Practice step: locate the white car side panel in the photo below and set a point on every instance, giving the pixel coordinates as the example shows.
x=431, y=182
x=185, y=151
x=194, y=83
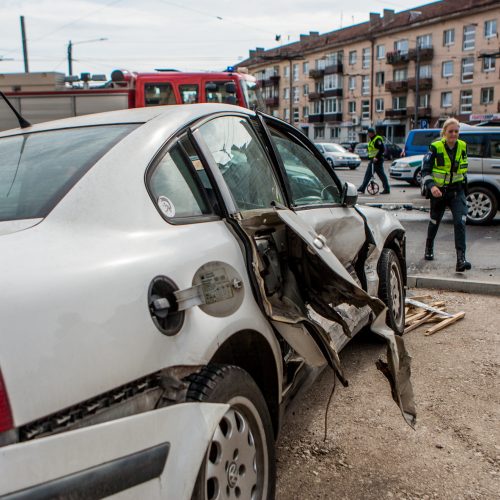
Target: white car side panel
x=187, y=427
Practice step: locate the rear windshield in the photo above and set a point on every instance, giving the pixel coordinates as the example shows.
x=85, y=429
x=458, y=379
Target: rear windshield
x=424, y=138
x=37, y=170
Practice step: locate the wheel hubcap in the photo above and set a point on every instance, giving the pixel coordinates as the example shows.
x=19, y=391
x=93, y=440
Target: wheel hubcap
x=231, y=466
x=479, y=206
x=396, y=293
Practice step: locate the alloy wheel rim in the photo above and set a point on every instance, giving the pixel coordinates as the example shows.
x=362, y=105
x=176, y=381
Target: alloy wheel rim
x=396, y=293
x=479, y=206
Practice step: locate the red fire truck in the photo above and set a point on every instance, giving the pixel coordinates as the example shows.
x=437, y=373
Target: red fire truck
x=127, y=90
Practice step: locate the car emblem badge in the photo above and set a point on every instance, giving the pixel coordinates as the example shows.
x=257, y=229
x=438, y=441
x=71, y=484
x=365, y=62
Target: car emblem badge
x=232, y=475
x=166, y=206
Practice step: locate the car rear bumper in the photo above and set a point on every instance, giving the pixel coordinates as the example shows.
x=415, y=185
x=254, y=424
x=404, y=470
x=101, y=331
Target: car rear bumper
x=157, y=453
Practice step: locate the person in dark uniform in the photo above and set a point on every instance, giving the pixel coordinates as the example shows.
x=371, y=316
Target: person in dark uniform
x=444, y=173
x=376, y=151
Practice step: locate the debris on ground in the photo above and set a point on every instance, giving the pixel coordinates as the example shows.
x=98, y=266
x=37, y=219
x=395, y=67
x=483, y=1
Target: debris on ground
x=419, y=313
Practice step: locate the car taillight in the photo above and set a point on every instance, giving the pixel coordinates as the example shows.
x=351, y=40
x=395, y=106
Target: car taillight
x=6, y=422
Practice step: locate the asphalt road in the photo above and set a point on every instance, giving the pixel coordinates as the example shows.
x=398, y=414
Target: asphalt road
x=482, y=241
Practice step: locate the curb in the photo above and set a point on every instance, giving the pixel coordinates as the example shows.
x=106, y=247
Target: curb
x=454, y=284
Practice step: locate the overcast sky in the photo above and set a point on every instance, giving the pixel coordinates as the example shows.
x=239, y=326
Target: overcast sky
x=148, y=34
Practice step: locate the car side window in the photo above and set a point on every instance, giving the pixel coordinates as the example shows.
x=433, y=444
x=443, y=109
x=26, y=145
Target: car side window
x=475, y=144
x=159, y=94
x=310, y=182
x=494, y=140
x=189, y=93
x=242, y=161
x=177, y=189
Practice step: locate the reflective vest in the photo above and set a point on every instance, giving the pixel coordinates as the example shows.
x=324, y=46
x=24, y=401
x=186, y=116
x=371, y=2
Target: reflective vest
x=441, y=171
x=372, y=150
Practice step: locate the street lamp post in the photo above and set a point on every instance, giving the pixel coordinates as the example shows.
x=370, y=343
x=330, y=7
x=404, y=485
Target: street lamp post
x=417, y=82
x=70, y=51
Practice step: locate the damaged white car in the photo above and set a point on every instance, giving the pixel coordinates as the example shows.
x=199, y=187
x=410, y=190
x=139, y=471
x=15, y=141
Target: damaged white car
x=170, y=278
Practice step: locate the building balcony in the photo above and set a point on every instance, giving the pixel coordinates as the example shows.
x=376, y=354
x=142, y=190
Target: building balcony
x=333, y=117
x=397, y=57
x=334, y=68
x=272, y=101
x=317, y=118
x=396, y=113
x=425, y=54
x=422, y=112
x=423, y=83
x=271, y=81
x=396, y=86
x=315, y=96
x=334, y=93
x=316, y=73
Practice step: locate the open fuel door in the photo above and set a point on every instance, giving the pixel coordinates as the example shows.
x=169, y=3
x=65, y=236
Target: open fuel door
x=297, y=272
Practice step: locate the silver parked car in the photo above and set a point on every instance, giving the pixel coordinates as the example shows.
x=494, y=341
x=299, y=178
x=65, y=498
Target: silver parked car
x=408, y=168
x=337, y=156
x=170, y=278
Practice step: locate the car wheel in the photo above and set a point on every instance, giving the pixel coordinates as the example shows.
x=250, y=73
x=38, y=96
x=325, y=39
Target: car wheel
x=353, y=167
x=417, y=177
x=391, y=290
x=482, y=205
x=330, y=162
x=240, y=459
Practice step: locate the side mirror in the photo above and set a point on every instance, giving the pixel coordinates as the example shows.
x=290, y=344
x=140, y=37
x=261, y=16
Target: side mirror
x=349, y=195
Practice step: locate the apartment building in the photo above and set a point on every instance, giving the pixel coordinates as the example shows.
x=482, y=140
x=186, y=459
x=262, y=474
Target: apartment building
x=397, y=71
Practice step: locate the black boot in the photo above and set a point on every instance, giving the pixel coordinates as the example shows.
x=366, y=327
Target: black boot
x=462, y=264
x=429, y=249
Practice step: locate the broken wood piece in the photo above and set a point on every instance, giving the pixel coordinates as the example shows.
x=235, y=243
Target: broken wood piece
x=445, y=323
x=428, y=316
x=428, y=308
x=417, y=316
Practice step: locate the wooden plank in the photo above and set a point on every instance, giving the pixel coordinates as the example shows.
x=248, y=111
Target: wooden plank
x=445, y=323
x=416, y=324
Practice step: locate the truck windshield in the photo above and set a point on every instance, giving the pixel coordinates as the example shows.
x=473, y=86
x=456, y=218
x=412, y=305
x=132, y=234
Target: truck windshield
x=38, y=169
x=252, y=95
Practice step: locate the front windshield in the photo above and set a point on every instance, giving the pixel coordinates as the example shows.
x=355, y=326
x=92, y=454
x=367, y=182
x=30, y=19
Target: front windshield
x=334, y=148
x=253, y=97
x=38, y=169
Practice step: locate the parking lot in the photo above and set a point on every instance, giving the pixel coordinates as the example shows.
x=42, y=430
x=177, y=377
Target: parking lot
x=370, y=453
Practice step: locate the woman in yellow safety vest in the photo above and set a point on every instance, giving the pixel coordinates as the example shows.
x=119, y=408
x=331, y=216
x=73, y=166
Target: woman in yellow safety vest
x=444, y=173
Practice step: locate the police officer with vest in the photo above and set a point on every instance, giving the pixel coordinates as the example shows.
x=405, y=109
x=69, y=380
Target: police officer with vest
x=376, y=151
x=444, y=173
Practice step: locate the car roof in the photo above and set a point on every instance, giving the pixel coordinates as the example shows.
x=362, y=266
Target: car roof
x=135, y=115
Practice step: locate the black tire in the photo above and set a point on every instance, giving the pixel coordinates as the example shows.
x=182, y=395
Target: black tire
x=417, y=177
x=330, y=162
x=351, y=167
x=233, y=385
x=482, y=206
x=391, y=289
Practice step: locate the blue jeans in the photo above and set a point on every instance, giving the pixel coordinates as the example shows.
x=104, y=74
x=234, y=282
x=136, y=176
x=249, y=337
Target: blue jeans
x=455, y=200
x=378, y=168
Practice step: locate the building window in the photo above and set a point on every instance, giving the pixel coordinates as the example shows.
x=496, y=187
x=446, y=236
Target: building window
x=466, y=101
x=333, y=59
x=469, y=41
x=489, y=63
x=399, y=102
x=352, y=83
x=448, y=37
x=305, y=89
x=317, y=107
x=320, y=64
x=305, y=111
x=379, y=78
x=446, y=99
x=319, y=132
x=425, y=71
x=486, y=95
x=401, y=46
x=276, y=113
x=295, y=70
x=447, y=69
x=424, y=100
x=379, y=105
x=305, y=68
x=286, y=72
x=365, y=61
x=286, y=93
x=295, y=93
x=287, y=114
x=365, y=109
x=296, y=116
x=365, y=85
x=333, y=82
x=424, y=41
x=490, y=28
x=380, y=51
x=401, y=75
x=318, y=86
x=335, y=133
x=353, y=57
x=333, y=105
x=352, y=107
x=467, y=69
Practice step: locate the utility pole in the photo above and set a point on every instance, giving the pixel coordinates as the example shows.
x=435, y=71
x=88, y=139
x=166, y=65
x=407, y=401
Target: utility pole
x=417, y=81
x=70, y=58
x=25, y=46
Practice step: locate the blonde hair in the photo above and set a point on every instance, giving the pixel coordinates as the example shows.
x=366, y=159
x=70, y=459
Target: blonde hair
x=447, y=123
